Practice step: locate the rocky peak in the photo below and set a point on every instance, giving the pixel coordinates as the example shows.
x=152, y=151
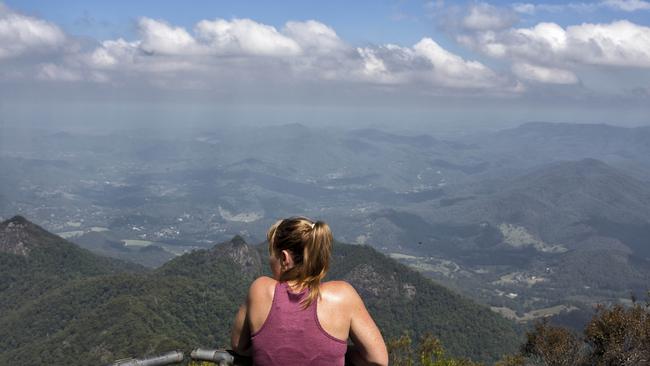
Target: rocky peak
x=17, y=220
x=18, y=236
x=241, y=253
x=238, y=241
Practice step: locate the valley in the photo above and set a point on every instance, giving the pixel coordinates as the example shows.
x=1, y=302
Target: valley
x=522, y=219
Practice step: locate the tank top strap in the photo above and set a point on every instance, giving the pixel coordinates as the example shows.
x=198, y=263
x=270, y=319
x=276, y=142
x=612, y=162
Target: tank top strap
x=277, y=294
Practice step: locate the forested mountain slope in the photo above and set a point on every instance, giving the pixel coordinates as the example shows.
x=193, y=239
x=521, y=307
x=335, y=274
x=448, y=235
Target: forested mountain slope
x=91, y=310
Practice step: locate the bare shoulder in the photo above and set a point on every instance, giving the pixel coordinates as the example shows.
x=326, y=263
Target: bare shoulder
x=339, y=291
x=262, y=287
x=337, y=286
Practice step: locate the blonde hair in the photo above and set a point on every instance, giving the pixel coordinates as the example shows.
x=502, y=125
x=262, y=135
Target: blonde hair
x=310, y=244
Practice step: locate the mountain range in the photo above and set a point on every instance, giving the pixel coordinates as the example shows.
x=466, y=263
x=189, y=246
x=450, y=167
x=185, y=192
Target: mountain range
x=535, y=243
x=522, y=219
x=64, y=305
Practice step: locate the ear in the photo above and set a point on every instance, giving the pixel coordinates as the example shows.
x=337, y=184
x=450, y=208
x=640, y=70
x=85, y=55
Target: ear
x=286, y=259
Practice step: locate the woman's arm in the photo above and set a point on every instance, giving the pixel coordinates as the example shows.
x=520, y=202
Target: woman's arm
x=369, y=347
x=240, y=337
x=252, y=313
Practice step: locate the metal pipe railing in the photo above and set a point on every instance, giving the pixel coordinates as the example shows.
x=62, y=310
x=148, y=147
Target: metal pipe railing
x=218, y=356
x=168, y=358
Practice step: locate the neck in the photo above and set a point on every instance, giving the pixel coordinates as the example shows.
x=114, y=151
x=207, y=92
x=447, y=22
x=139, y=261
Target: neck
x=295, y=285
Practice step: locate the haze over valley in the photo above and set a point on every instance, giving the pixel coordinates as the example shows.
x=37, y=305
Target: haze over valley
x=521, y=219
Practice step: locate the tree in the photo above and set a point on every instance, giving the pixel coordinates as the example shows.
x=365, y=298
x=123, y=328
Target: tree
x=400, y=351
x=615, y=336
x=429, y=352
x=553, y=346
x=620, y=336
x=512, y=360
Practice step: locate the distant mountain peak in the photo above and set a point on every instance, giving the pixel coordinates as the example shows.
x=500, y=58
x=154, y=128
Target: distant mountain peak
x=244, y=255
x=19, y=235
x=237, y=240
x=49, y=254
x=17, y=220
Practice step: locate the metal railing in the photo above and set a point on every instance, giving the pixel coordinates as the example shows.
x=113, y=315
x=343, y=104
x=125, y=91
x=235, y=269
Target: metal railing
x=218, y=356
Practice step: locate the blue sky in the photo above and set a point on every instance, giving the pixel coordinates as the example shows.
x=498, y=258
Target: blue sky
x=581, y=55
x=358, y=21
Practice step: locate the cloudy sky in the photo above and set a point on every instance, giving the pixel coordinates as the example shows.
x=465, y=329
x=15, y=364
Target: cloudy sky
x=420, y=61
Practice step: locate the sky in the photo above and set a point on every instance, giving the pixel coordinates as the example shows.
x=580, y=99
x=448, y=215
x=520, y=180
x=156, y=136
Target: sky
x=422, y=63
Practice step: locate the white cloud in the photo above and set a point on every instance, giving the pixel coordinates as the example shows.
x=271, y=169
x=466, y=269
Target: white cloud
x=302, y=51
x=451, y=70
x=374, y=68
x=542, y=42
x=544, y=74
x=483, y=16
x=245, y=37
x=627, y=5
x=372, y=65
x=534, y=42
x=430, y=66
x=221, y=53
x=20, y=34
x=112, y=54
x=166, y=48
x=313, y=36
x=158, y=37
x=620, y=43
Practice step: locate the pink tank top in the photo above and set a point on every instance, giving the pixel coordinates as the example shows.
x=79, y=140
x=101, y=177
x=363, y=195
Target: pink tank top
x=293, y=336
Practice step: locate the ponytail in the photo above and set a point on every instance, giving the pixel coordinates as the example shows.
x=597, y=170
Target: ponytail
x=316, y=260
